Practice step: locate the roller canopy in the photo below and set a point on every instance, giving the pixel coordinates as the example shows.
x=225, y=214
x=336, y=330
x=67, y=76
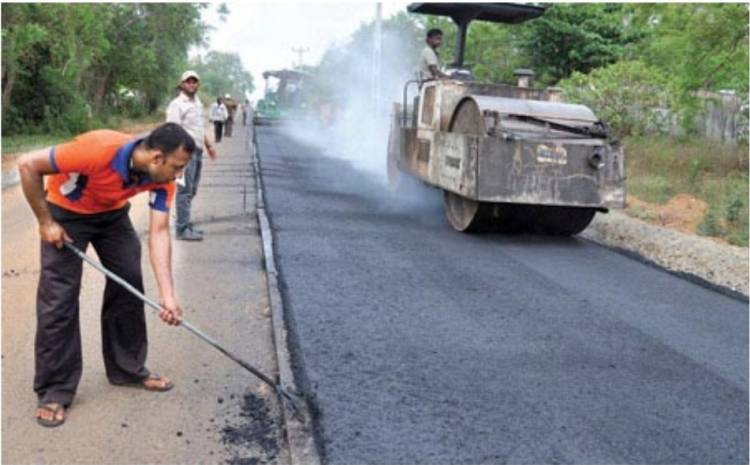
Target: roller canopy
x=464, y=13
x=512, y=13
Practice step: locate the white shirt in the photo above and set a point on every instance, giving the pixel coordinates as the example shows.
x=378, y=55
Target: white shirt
x=218, y=112
x=188, y=113
x=427, y=58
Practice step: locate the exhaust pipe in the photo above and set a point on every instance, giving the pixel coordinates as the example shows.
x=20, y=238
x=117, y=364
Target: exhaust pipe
x=525, y=77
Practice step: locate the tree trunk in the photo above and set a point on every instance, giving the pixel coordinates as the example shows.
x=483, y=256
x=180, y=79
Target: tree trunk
x=100, y=91
x=8, y=90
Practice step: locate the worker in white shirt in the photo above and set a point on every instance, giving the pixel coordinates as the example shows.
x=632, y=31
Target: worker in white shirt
x=187, y=111
x=429, y=60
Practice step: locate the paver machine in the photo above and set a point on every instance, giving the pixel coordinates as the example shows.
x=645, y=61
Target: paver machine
x=286, y=101
x=507, y=157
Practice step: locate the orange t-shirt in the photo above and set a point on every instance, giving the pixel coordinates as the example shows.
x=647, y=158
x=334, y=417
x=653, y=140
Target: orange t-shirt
x=93, y=174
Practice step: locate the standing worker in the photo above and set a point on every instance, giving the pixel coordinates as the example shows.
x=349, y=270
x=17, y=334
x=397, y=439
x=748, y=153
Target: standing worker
x=218, y=114
x=90, y=180
x=231, y=111
x=245, y=111
x=187, y=111
x=429, y=60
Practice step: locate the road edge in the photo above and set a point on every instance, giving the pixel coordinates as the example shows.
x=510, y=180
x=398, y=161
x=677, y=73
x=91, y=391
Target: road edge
x=300, y=439
x=657, y=247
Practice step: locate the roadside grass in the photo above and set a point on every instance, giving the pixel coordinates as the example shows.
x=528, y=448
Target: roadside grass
x=659, y=168
x=13, y=145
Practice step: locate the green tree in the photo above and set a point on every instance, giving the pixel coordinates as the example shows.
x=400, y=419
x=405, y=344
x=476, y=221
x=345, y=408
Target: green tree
x=65, y=66
x=627, y=95
x=578, y=37
x=222, y=73
x=700, y=46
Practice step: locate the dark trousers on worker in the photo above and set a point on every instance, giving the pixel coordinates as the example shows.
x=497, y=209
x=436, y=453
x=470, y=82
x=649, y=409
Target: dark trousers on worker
x=228, y=125
x=218, y=130
x=58, y=355
x=186, y=192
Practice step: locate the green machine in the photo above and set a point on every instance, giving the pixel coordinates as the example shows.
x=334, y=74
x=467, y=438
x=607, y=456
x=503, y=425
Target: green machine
x=285, y=101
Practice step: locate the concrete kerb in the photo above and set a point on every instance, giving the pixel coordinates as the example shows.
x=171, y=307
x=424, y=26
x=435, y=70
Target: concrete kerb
x=302, y=447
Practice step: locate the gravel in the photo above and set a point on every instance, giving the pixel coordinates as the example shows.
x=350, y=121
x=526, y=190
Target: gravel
x=722, y=265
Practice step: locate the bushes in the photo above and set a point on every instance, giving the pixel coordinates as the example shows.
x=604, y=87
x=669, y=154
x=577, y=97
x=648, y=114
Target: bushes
x=627, y=95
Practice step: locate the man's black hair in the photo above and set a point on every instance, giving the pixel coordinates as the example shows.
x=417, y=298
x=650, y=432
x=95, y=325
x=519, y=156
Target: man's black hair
x=169, y=137
x=434, y=32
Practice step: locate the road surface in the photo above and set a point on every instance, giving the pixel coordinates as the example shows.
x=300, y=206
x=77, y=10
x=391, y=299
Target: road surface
x=419, y=344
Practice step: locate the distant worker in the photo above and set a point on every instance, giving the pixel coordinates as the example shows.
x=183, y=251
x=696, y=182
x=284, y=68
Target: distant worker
x=187, y=111
x=231, y=111
x=89, y=182
x=245, y=110
x=429, y=60
x=218, y=115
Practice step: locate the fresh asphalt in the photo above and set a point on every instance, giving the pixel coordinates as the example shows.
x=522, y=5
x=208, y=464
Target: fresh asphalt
x=418, y=344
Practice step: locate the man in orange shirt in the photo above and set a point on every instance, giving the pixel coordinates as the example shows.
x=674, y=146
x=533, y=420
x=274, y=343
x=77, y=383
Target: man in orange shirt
x=90, y=180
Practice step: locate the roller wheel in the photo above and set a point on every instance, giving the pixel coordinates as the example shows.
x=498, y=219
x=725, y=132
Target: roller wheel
x=466, y=215
x=561, y=221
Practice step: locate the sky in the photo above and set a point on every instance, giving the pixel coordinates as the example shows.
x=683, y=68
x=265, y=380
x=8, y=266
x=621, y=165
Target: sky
x=264, y=33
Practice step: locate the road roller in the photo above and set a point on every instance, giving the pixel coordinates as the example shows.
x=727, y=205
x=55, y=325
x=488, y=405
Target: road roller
x=508, y=157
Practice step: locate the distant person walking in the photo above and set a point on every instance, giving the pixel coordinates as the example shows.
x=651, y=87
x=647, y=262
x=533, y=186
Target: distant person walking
x=218, y=115
x=245, y=110
x=187, y=111
x=231, y=112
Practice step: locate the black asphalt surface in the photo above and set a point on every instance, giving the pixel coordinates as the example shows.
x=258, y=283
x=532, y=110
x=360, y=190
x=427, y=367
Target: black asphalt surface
x=422, y=345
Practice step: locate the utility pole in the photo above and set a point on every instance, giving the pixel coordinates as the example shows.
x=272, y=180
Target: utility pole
x=377, y=58
x=300, y=51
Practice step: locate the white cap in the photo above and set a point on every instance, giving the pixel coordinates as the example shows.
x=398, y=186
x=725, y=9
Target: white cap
x=227, y=96
x=189, y=74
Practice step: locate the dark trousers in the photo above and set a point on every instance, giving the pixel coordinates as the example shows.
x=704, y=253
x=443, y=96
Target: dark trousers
x=123, y=320
x=228, y=124
x=186, y=193
x=218, y=130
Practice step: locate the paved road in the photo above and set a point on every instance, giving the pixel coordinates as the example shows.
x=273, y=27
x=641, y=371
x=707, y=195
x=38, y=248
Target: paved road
x=423, y=345
x=215, y=413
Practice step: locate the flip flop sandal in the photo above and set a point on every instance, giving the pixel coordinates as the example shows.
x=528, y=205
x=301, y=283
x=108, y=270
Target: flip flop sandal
x=140, y=384
x=55, y=409
x=162, y=387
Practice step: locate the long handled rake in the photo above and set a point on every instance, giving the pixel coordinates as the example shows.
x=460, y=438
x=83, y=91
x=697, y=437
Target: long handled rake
x=293, y=402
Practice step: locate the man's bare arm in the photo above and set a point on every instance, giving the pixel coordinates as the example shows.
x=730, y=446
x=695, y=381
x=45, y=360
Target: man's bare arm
x=437, y=74
x=160, y=254
x=32, y=167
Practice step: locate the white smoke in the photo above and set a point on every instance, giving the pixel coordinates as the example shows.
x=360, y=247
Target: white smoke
x=359, y=132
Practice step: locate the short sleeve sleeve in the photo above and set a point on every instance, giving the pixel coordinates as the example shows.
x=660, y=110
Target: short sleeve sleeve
x=80, y=155
x=429, y=57
x=161, y=197
x=173, y=112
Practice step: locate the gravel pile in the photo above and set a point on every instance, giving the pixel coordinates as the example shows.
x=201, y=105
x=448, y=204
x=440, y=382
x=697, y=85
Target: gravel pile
x=723, y=265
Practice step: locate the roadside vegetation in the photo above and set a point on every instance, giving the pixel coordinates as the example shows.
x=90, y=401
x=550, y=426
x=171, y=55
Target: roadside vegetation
x=715, y=176
x=69, y=68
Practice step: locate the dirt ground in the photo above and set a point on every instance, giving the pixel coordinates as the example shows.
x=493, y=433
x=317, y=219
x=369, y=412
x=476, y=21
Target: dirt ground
x=683, y=212
x=217, y=412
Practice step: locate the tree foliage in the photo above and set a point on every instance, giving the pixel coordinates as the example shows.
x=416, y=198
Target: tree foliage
x=65, y=65
x=700, y=46
x=222, y=73
x=577, y=37
x=628, y=95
